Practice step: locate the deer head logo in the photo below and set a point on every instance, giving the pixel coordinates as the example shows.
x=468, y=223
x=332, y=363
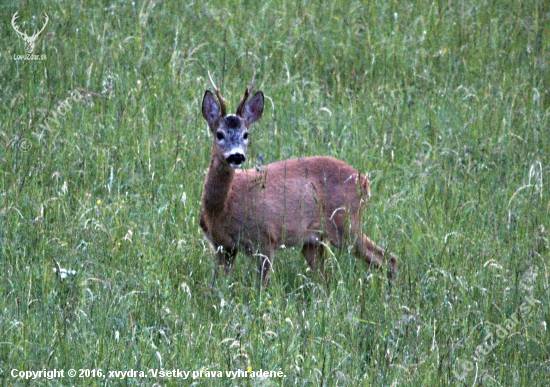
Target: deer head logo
x=29, y=40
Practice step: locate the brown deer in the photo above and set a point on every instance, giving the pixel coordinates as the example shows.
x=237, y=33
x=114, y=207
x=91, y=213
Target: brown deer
x=296, y=202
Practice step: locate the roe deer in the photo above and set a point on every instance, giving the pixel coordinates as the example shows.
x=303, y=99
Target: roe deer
x=296, y=202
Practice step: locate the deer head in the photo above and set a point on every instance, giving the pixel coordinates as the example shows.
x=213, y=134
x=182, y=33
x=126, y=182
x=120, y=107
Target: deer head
x=230, y=131
x=29, y=40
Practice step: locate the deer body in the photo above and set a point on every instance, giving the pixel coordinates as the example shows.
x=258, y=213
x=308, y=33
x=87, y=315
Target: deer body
x=296, y=202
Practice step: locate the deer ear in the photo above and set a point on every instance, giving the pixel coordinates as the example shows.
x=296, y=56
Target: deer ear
x=254, y=108
x=210, y=108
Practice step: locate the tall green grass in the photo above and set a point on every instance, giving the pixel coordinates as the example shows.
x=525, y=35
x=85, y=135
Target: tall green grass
x=446, y=104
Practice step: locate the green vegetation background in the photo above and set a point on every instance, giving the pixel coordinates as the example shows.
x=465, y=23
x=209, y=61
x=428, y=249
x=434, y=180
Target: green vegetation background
x=446, y=104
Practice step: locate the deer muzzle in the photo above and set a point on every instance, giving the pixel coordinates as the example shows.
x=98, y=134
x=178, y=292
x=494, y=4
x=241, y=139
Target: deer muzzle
x=236, y=159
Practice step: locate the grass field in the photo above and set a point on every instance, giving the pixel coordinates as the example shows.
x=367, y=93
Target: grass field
x=103, y=152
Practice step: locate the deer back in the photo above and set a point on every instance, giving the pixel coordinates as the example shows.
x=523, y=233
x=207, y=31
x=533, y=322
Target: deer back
x=289, y=201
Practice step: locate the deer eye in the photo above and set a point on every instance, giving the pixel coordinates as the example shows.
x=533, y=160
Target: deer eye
x=219, y=135
x=245, y=135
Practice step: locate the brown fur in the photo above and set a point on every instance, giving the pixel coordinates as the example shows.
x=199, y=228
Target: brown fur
x=296, y=202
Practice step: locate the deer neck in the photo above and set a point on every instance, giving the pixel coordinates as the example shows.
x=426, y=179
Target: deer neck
x=217, y=185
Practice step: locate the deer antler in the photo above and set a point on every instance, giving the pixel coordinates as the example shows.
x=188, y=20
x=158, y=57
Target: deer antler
x=218, y=94
x=46, y=19
x=13, y=19
x=240, y=107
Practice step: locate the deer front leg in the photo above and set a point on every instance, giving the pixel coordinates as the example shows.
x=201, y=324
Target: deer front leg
x=313, y=253
x=225, y=258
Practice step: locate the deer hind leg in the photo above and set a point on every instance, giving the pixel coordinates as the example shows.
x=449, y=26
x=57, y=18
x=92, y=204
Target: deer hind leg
x=363, y=248
x=374, y=255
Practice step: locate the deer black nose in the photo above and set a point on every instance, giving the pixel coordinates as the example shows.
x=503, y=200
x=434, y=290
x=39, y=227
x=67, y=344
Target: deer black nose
x=236, y=159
